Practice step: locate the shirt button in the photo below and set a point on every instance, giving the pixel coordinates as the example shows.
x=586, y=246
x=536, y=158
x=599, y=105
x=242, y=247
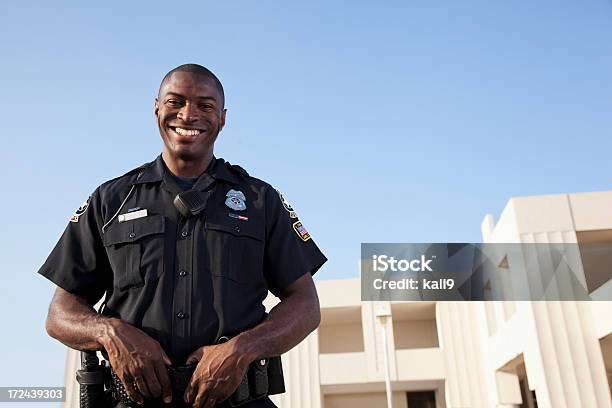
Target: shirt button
x=132, y=235
x=237, y=228
x=182, y=273
x=181, y=315
x=184, y=234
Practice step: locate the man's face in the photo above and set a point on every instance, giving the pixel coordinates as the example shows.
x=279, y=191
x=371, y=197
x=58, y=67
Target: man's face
x=190, y=115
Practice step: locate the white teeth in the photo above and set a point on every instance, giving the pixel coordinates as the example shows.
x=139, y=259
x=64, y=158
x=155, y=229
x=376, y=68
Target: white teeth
x=187, y=132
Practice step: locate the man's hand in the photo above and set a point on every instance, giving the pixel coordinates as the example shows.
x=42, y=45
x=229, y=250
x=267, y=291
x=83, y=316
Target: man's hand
x=139, y=361
x=220, y=370
x=135, y=357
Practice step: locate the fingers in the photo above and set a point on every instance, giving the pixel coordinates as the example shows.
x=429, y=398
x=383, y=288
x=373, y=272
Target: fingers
x=195, y=356
x=203, y=400
x=199, y=396
x=164, y=381
x=151, y=383
x=142, y=363
x=142, y=387
x=165, y=357
x=190, y=391
x=196, y=392
x=157, y=378
x=130, y=387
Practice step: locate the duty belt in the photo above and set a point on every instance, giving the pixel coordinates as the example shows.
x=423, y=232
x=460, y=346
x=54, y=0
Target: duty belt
x=263, y=377
x=259, y=381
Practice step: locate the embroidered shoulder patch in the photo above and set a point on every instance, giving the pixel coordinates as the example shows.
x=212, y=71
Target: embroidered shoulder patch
x=301, y=231
x=80, y=211
x=286, y=205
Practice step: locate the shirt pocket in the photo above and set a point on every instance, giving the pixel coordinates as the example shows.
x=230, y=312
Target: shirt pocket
x=135, y=250
x=235, y=248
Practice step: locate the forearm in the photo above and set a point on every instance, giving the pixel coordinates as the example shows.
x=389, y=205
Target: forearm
x=72, y=321
x=288, y=323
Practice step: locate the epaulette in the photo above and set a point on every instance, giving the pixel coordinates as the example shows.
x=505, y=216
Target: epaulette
x=137, y=171
x=239, y=170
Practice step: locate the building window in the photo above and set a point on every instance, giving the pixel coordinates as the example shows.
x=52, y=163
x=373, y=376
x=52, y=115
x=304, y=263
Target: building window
x=529, y=397
x=421, y=399
x=596, y=253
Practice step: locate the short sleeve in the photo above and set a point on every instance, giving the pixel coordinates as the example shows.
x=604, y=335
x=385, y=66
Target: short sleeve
x=78, y=263
x=290, y=251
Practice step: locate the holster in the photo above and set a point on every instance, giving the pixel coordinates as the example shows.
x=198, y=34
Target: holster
x=93, y=379
x=264, y=377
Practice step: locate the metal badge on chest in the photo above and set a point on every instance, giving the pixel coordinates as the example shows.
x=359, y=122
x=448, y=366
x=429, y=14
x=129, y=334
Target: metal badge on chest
x=235, y=200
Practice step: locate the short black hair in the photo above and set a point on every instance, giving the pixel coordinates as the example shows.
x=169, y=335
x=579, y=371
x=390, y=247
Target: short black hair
x=195, y=69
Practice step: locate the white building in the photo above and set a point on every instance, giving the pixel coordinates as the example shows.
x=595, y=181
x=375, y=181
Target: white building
x=463, y=354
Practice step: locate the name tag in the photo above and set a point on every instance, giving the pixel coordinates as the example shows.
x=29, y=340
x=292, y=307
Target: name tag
x=132, y=215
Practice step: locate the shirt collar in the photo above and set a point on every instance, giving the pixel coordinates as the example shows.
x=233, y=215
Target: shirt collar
x=154, y=171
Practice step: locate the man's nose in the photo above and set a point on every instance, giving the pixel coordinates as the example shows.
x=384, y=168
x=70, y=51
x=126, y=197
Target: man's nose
x=187, y=113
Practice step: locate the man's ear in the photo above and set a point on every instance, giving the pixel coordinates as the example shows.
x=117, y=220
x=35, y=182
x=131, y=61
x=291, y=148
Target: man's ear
x=156, y=107
x=222, y=119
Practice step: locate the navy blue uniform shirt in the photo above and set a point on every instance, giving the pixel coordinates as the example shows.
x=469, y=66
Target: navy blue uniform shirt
x=184, y=281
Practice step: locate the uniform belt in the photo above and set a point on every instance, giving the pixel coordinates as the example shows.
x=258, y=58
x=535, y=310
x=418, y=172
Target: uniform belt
x=179, y=378
x=264, y=377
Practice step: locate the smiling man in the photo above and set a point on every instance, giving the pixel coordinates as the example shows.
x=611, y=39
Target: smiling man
x=184, y=250
x=189, y=130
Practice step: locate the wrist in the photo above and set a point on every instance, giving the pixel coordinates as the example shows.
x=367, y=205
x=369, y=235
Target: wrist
x=247, y=347
x=106, y=330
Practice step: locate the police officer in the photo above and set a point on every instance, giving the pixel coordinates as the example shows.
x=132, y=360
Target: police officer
x=178, y=280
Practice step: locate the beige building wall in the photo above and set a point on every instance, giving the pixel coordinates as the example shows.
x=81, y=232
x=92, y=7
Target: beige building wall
x=561, y=357
x=481, y=354
x=468, y=354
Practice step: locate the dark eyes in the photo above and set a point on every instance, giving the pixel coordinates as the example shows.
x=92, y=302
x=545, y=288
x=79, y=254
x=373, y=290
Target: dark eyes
x=176, y=103
x=173, y=102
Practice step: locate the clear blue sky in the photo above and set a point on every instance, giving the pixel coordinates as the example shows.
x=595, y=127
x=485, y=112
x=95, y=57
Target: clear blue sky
x=393, y=121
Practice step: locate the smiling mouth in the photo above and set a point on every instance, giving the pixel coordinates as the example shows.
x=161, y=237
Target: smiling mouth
x=186, y=132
